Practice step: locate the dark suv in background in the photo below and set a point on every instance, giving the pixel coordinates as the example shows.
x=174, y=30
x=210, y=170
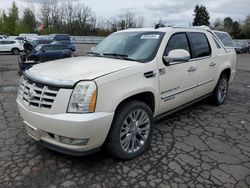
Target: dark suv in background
x=60, y=37
x=36, y=42
x=67, y=44
x=43, y=53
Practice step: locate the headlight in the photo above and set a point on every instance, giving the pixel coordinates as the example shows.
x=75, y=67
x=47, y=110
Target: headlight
x=83, y=98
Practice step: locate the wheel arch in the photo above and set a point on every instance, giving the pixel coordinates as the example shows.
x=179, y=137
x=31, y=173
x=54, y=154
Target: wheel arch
x=15, y=48
x=226, y=71
x=147, y=97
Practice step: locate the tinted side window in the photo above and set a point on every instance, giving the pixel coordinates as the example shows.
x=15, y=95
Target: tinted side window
x=58, y=47
x=46, y=48
x=54, y=47
x=177, y=41
x=8, y=42
x=201, y=47
x=225, y=39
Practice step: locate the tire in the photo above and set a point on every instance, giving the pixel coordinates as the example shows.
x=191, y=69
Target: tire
x=15, y=51
x=20, y=73
x=134, y=133
x=220, y=92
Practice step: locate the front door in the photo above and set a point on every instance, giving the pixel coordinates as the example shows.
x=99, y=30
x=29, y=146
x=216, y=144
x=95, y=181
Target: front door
x=177, y=81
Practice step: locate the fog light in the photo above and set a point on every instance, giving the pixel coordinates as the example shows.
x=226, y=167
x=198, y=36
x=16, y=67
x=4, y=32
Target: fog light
x=72, y=141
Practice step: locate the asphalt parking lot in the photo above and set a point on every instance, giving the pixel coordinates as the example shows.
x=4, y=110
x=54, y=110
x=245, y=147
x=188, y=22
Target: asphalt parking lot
x=201, y=146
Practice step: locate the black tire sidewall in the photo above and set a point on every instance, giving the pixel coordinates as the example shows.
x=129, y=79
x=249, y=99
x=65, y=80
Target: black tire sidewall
x=114, y=135
x=215, y=95
x=15, y=50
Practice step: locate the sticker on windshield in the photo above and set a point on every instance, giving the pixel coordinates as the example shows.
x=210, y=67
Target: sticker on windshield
x=150, y=36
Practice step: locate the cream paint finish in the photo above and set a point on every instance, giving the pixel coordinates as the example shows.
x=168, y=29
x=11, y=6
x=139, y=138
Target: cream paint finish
x=177, y=79
x=118, y=80
x=94, y=126
x=80, y=68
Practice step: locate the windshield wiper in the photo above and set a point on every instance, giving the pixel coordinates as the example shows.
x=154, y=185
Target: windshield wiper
x=94, y=54
x=120, y=56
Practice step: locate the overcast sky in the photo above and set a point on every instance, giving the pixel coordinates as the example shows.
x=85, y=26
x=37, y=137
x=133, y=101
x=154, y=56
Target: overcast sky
x=178, y=12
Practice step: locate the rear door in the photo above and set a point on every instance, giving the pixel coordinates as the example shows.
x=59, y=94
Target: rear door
x=177, y=81
x=58, y=51
x=205, y=62
x=6, y=45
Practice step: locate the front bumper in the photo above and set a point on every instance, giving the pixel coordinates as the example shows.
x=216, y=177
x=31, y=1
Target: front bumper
x=47, y=129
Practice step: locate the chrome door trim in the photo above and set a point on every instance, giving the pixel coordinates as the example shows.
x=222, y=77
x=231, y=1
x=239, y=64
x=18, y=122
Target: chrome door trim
x=202, y=83
x=172, y=96
x=184, y=90
x=199, y=58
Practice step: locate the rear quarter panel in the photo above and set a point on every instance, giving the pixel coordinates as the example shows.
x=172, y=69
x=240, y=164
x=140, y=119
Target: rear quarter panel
x=229, y=60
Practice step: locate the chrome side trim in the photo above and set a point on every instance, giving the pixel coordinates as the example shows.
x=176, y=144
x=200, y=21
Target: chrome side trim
x=169, y=98
x=172, y=96
x=49, y=81
x=181, y=107
x=184, y=90
x=202, y=83
x=199, y=58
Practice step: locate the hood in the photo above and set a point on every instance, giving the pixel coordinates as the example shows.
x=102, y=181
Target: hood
x=74, y=69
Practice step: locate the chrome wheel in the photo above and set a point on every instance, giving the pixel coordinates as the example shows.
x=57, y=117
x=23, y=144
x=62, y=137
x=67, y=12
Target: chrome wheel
x=222, y=90
x=134, y=131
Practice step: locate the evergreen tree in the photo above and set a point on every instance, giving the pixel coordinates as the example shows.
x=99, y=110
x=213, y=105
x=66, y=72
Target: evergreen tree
x=228, y=24
x=236, y=31
x=201, y=16
x=246, y=27
x=29, y=21
x=11, y=20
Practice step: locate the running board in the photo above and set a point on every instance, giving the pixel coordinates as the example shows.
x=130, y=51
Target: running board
x=181, y=107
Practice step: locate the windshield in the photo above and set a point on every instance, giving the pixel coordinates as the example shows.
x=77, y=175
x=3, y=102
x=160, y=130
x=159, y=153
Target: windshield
x=138, y=46
x=38, y=48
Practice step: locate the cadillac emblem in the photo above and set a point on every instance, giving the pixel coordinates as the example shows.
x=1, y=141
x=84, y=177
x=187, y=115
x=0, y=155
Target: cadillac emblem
x=31, y=94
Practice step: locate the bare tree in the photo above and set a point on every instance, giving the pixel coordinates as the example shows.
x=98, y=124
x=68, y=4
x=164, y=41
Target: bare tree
x=128, y=17
x=124, y=20
x=45, y=13
x=140, y=21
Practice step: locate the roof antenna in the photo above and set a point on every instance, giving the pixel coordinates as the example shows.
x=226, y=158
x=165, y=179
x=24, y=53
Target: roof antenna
x=157, y=26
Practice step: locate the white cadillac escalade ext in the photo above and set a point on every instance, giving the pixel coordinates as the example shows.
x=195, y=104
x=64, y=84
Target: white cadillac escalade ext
x=113, y=95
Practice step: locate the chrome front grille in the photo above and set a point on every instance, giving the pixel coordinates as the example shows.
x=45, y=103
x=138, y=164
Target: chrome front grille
x=36, y=94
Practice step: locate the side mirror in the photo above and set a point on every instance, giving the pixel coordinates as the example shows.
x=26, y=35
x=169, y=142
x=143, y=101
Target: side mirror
x=92, y=48
x=176, y=56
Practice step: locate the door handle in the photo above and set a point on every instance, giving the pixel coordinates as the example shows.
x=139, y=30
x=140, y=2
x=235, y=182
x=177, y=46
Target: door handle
x=212, y=64
x=192, y=69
